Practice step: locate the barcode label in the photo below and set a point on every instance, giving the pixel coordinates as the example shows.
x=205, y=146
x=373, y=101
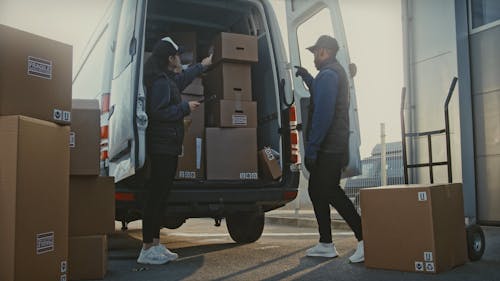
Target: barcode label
x=39, y=67
x=44, y=242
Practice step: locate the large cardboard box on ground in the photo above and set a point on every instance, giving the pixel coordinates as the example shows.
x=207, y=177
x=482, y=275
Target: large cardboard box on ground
x=232, y=114
x=35, y=76
x=85, y=137
x=268, y=164
x=235, y=47
x=231, y=154
x=88, y=257
x=34, y=181
x=91, y=205
x=191, y=162
x=417, y=228
x=229, y=81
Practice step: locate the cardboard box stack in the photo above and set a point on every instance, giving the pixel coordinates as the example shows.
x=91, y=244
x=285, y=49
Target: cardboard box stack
x=231, y=118
x=35, y=94
x=91, y=198
x=423, y=230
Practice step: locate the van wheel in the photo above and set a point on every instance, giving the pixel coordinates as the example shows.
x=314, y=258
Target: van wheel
x=173, y=222
x=245, y=227
x=475, y=242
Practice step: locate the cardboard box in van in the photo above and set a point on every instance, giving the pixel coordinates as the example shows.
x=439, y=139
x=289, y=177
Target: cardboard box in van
x=91, y=205
x=34, y=181
x=235, y=47
x=35, y=76
x=268, y=164
x=229, y=81
x=231, y=154
x=88, y=257
x=85, y=137
x=423, y=230
x=232, y=114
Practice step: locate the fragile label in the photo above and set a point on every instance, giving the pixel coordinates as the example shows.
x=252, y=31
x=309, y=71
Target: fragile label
x=248, y=176
x=419, y=266
x=39, y=67
x=63, y=277
x=58, y=115
x=239, y=120
x=422, y=196
x=269, y=153
x=66, y=116
x=64, y=266
x=44, y=242
x=187, y=175
x=72, y=141
x=428, y=256
x=429, y=266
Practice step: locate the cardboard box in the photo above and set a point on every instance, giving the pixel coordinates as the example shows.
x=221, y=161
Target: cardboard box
x=91, y=205
x=268, y=164
x=232, y=114
x=229, y=81
x=88, y=257
x=231, y=153
x=35, y=76
x=416, y=228
x=235, y=47
x=187, y=40
x=85, y=138
x=195, y=88
x=34, y=179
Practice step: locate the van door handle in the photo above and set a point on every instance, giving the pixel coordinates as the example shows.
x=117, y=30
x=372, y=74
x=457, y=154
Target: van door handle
x=133, y=46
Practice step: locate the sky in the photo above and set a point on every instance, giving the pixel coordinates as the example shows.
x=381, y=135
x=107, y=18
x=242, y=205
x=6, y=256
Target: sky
x=373, y=30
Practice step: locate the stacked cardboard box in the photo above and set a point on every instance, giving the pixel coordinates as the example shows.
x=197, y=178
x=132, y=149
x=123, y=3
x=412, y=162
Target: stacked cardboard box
x=35, y=94
x=91, y=198
x=231, y=117
x=423, y=230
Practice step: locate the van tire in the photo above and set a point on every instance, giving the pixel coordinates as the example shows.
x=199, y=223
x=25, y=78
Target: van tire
x=476, y=243
x=245, y=227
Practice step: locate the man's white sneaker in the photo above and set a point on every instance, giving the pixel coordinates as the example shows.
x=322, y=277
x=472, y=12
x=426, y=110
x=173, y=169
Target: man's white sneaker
x=326, y=250
x=359, y=255
x=161, y=249
x=151, y=256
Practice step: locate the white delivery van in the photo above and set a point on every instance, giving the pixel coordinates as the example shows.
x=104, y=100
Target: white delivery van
x=129, y=31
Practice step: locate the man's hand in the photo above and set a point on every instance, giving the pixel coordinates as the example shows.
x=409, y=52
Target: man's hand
x=310, y=164
x=193, y=105
x=302, y=72
x=206, y=62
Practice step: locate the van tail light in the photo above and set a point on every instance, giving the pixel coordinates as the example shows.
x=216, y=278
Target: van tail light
x=124, y=196
x=104, y=131
x=294, y=137
x=289, y=195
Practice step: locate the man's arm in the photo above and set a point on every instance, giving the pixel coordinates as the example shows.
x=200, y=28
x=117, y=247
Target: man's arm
x=160, y=109
x=325, y=96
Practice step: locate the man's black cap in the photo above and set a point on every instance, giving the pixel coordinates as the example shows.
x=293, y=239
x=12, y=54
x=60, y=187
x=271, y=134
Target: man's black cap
x=167, y=47
x=326, y=42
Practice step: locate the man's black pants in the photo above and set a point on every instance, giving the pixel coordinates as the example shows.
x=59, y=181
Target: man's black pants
x=324, y=190
x=159, y=184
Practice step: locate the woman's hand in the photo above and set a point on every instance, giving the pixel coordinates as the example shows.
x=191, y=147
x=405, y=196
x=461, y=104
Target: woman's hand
x=206, y=62
x=193, y=105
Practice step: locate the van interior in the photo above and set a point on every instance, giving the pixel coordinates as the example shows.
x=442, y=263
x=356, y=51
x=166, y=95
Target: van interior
x=209, y=18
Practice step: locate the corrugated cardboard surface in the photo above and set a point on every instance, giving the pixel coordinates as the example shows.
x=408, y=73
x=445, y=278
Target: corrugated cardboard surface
x=268, y=164
x=415, y=228
x=85, y=137
x=35, y=76
x=229, y=81
x=232, y=114
x=92, y=205
x=235, y=47
x=231, y=154
x=88, y=257
x=33, y=198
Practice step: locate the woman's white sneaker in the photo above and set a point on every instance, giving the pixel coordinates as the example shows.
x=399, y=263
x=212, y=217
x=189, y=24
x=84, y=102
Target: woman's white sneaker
x=326, y=250
x=359, y=255
x=151, y=256
x=161, y=249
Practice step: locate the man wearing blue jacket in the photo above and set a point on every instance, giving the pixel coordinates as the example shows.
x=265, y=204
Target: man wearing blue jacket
x=327, y=146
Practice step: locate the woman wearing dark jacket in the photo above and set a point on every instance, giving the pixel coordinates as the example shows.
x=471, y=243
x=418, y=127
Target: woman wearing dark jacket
x=164, y=80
